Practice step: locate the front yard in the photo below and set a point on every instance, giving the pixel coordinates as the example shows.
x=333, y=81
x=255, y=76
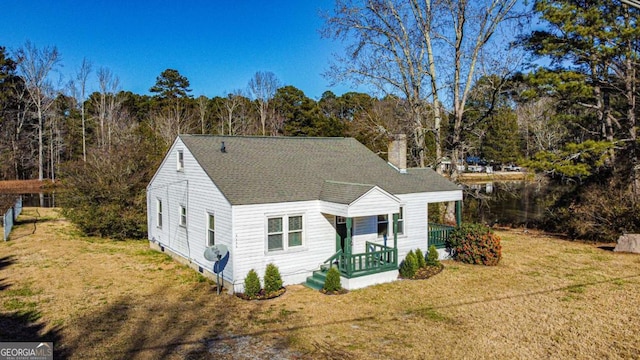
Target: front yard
x=97, y=298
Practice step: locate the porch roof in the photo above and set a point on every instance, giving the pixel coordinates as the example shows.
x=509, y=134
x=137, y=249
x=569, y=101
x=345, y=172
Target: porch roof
x=352, y=200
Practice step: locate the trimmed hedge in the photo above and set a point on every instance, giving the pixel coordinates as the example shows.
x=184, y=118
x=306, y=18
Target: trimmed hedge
x=252, y=285
x=432, y=256
x=409, y=266
x=332, y=283
x=272, y=279
x=420, y=257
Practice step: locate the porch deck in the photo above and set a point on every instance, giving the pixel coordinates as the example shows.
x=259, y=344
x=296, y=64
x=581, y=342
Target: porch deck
x=377, y=258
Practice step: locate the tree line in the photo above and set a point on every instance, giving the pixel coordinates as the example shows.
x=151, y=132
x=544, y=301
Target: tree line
x=459, y=78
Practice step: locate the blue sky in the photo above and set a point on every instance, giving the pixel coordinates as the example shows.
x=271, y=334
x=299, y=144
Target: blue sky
x=217, y=45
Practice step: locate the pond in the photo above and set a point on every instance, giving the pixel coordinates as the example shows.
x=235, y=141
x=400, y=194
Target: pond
x=509, y=203
x=46, y=200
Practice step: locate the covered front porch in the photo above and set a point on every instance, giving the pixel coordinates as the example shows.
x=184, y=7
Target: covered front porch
x=373, y=229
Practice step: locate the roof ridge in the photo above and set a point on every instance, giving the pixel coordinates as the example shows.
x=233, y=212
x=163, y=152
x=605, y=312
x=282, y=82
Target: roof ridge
x=268, y=137
x=348, y=183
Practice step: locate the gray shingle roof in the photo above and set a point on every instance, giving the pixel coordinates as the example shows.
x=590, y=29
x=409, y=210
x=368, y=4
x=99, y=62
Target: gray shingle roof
x=257, y=170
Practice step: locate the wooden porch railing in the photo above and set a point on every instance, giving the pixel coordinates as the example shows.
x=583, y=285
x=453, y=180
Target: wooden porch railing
x=377, y=258
x=438, y=234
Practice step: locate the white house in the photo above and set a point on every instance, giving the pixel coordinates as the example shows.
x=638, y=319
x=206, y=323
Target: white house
x=300, y=203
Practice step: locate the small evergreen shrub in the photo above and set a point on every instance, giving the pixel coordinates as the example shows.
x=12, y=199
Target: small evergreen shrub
x=432, y=256
x=475, y=244
x=332, y=282
x=251, y=284
x=409, y=266
x=272, y=279
x=420, y=258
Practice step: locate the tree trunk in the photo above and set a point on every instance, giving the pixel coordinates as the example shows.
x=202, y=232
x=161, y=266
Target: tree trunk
x=40, y=145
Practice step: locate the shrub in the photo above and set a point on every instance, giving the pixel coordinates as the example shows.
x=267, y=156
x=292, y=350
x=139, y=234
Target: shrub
x=475, y=244
x=105, y=196
x=332, y=282
x=272, y=279
x=251, y=284
x=420, y=258
x=409, y=266
x=432, y=256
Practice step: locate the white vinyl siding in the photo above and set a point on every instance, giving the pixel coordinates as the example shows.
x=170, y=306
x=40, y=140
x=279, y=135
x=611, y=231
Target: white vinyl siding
x=193, y=189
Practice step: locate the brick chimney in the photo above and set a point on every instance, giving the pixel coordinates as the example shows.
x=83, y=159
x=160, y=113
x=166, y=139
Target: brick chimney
x=397, y=152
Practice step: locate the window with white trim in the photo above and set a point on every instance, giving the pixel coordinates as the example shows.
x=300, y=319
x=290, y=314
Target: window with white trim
x=183, y=215
x=211, y=229
x=274, y=234
x=383, y=225
x=285, y=232
x=180, y=160
x=294, y=235
x=159, y=214
x=401, y=221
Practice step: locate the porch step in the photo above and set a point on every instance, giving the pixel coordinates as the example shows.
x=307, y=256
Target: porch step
x=316, y=281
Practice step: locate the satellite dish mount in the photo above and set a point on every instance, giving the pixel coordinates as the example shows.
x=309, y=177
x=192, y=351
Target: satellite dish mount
x=219, y=254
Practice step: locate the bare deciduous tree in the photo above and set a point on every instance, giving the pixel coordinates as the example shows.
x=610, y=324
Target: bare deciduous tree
x=108, y=106
x=410, y=48
x=541, y=132
x=228, y=113
x=203, y=106
x=262, y=88
x=34, y=66
x=82, y=76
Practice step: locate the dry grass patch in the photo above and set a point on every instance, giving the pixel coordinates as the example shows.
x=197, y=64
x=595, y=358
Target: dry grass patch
x=97, y=298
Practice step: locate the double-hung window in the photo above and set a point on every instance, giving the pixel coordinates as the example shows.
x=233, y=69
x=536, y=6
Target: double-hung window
x=274, y=234
x=211, y=229
x=401, y=221
x=159, y=215
x=285, y=232
x=183, y=215
x=180, y=160
x=295, y=231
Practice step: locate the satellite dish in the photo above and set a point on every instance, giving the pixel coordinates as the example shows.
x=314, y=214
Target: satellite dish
x=215, y=252
x=220, y=255
x=219, y=266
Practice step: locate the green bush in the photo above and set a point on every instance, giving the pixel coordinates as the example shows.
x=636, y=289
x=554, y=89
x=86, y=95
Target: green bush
x=251, y=285
x=272, y=279
x=432, y=256
x=332, y=282
x=475, y=244
x=420, y=258
x=409, y=266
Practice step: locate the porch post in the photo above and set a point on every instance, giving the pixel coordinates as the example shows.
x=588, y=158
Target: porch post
x=347, y=244
x=395, y=238
x=459, y=212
